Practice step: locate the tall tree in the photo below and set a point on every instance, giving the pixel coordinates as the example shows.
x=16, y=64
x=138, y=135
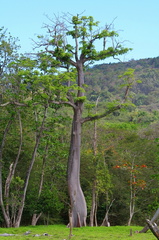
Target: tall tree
x=71, y=44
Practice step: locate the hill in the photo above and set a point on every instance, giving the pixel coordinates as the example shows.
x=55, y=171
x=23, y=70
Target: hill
x=104, y=80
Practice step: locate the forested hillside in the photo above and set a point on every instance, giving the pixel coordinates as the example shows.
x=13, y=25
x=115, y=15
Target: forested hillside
x=99, y=133
x=103, y=81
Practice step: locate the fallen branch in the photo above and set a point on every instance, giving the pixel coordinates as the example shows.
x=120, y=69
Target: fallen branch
x=153, y=227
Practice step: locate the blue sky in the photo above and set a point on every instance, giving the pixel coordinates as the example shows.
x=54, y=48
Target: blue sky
x=137, y=21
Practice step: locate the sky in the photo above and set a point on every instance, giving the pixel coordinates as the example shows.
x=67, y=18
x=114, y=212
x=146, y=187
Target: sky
x=136, y=21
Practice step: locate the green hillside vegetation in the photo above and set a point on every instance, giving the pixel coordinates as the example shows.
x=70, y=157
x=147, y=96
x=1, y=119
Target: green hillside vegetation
x=103, y=81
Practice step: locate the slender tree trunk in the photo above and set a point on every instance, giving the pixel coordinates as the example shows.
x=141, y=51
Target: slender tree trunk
x=6, y=217
x=13, y=165
x=132, y=198
x=21, y=207
x=93, y=213
x=106, y=218
x=36, y=216
x=132, y=206
x=94, y=203
x=93, y=207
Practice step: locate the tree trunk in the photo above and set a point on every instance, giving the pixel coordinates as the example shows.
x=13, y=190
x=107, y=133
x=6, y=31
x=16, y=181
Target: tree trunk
x=6, y=217
x=106, y=218
x=153, y=219
x=93, y=218
x=78, y=203
x=13, y=167
x=35, y=216
x=132, y=196
x=95, y=213
x=153, y=227
x=93, y=207
x=21, y=207
x=130, y=219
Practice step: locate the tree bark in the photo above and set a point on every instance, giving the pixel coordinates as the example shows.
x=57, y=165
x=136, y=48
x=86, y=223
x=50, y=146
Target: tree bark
x=6, y=217
x=153, y=219
x=21, y=207
x=153, y=227
x=132, y=196
x=93, y=219
x=77, y=199
x=13, y=166
x=106, y=218
x=93, y=207
x=36, y=216
x=78, y=203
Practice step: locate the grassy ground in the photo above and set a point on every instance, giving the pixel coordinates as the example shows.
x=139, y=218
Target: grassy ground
x=61, y=232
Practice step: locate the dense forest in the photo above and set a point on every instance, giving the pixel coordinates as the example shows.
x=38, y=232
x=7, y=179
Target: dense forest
x=119, y=152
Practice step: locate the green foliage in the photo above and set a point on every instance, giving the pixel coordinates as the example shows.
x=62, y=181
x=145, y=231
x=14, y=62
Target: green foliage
x=80, y=99
x=8, y=48
x=144, y=84
x=17, y=184
x=86, y=32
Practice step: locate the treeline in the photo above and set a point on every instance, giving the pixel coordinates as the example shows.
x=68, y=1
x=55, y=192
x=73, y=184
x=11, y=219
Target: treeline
x=119, y=153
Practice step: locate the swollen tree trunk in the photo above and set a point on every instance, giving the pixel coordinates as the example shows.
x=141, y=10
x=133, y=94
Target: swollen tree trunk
x=78, y=203
x=77, y=199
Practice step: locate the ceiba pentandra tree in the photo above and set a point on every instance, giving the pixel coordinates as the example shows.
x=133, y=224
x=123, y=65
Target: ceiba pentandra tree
x=71, y=43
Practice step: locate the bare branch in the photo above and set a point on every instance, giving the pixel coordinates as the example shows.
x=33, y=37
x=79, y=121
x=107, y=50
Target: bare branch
x=63, y=102
x=17, y=104
x=4, y=104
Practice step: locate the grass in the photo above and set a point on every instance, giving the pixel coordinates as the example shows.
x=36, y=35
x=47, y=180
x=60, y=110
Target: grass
x=61, y=232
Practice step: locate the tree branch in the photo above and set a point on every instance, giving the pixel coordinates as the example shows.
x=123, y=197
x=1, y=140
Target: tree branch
x=63, y=102
x=96, y=117
x=4, y=104
x=34, y=104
